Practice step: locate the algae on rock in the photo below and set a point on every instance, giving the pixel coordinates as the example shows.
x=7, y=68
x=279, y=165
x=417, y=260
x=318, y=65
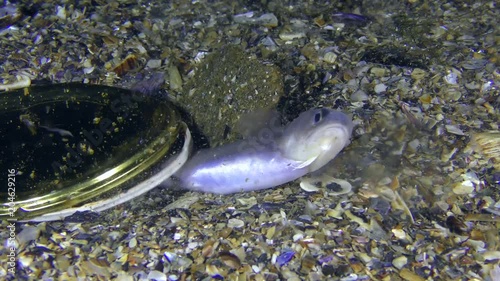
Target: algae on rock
x=227, y=84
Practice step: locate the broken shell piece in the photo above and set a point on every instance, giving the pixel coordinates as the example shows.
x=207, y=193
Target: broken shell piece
x=332, y=185
x=130, y=63
x=465, y=187
x=235, y=223
x=22, y=82
x=488, y=144
x=454, y=129
x=309, y=185
x=269, y=20
x=230, y=259
x=400, y=262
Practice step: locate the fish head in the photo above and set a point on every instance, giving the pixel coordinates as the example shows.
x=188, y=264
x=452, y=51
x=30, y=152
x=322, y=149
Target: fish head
x=316, y=137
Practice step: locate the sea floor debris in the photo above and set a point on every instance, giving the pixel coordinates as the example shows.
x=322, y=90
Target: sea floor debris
x=420, y=79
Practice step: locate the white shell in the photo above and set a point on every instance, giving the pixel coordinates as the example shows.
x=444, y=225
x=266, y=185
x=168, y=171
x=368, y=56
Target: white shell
x=314, y=184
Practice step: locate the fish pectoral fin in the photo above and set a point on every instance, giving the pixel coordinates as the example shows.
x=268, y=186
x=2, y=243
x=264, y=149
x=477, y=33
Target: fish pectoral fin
x=306, y=163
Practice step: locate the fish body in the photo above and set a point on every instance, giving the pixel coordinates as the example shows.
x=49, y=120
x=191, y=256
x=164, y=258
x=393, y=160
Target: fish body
x=227, y=169
x=303, y=146
x=63, y=133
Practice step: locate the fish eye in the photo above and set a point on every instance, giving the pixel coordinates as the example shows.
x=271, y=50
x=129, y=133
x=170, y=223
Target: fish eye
x=320, y=114
x=317, y=117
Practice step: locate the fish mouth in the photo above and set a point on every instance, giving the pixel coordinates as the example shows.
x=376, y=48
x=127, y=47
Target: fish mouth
x=335, y=130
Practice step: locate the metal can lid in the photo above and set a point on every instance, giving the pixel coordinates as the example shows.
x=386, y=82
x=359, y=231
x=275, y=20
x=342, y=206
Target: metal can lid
x=74, y=144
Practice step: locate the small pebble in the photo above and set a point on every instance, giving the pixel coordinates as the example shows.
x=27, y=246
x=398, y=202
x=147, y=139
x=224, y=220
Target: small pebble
x=174, y=78
x=451, y=78
x=418, y=74
x=378, y=71
x=400, y=262
x=153, y=63
x=454, y=129
x=330, y=57
x=359, y=95
x=235, y=223
x=132, y=243
x=285, y=257
x=157, y=275
x=491, y=255
x=380, y=88
x=465, y=187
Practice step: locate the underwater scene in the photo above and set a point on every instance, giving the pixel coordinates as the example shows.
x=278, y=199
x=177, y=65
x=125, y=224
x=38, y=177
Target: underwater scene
x=250, y=140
